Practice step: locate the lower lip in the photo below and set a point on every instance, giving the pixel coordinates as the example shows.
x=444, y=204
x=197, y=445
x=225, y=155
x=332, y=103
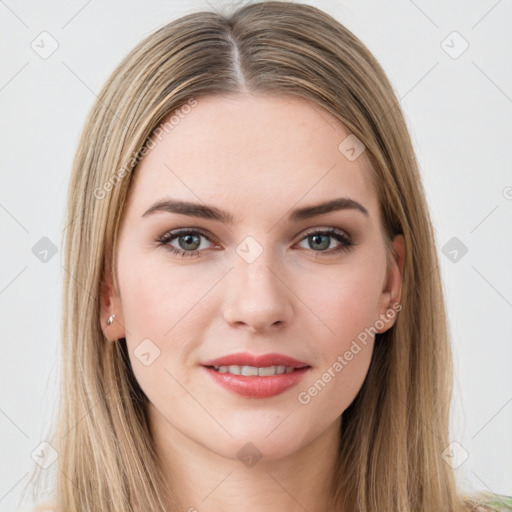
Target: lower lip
x=255, y=386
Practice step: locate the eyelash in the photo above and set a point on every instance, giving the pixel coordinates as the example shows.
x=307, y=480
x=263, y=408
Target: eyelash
x=346, y=243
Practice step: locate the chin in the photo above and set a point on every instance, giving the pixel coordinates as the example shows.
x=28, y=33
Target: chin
x=261, y=445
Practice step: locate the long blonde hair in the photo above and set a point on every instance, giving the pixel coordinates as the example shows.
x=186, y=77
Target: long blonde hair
x=395, y=431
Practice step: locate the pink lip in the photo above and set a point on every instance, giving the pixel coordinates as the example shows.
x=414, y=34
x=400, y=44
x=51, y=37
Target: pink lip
x=262, y=361
x=256, y=386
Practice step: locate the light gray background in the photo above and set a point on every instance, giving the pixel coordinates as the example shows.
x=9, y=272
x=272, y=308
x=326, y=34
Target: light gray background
x=459, y=113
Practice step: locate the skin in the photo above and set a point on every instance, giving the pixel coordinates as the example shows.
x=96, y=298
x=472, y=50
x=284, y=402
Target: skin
x=256, y=157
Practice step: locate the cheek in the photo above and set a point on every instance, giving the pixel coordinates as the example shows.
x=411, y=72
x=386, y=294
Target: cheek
x=338, y=383
x=164, y=319
x=346, y=357
x=346, y=304
x=144, y=301
x=158, y=302
x=347, y=311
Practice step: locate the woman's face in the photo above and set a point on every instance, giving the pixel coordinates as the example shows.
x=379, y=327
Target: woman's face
x=251, y=271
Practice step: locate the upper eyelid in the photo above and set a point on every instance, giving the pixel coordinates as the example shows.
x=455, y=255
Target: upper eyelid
x=174, y=233
x=328, y=228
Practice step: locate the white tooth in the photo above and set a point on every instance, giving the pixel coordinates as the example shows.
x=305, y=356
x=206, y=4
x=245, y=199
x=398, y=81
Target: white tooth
x=235, y=370
x=267, y=371
x=249, y=371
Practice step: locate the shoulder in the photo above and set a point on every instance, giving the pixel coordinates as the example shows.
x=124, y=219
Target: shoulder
x=45, y=507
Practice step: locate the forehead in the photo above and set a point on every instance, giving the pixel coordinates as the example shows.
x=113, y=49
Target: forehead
x=252, y=152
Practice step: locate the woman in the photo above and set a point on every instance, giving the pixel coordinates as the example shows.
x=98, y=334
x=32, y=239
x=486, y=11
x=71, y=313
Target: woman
x=254, y=315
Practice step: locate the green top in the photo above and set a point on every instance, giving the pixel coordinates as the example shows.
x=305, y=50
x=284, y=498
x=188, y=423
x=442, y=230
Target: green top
x=499, y=502
x=505, y=502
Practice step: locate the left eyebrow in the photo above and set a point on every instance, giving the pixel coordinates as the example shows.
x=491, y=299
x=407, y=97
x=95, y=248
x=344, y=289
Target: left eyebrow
x=342, y=203
x=213, y=213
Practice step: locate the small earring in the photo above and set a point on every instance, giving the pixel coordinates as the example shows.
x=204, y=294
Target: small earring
x=110, y=319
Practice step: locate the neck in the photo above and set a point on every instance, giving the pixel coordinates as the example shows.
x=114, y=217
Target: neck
x=204, y=480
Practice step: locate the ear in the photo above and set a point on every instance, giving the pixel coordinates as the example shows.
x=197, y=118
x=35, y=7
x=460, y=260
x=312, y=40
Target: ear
x=111, y=305
x=389, y=302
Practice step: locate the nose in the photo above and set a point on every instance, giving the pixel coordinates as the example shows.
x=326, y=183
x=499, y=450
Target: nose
x=257, y=297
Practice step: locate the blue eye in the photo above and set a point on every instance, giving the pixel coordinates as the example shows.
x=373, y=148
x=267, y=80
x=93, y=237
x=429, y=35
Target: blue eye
x=321, y=239
x=189, y=241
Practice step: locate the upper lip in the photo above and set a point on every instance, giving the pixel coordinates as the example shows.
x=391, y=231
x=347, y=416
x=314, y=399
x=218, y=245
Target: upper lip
x=258, y=361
